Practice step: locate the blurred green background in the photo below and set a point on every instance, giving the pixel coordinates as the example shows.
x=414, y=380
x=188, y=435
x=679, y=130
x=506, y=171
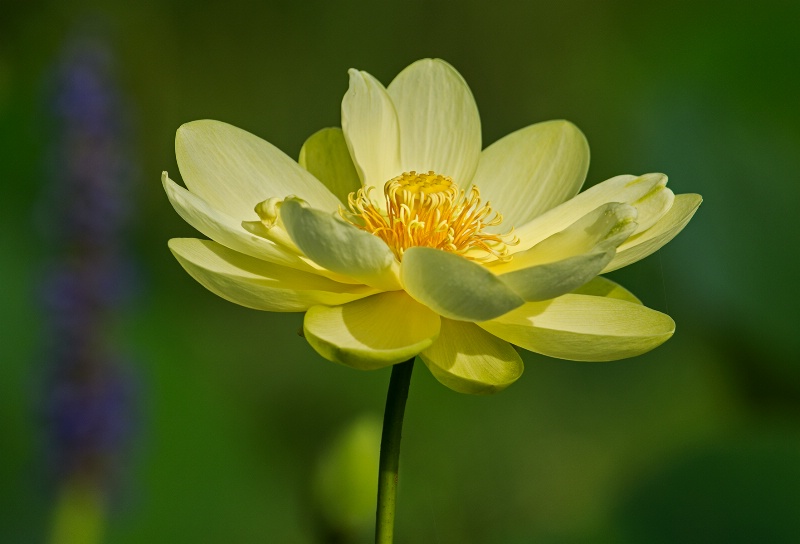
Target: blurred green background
x=698, y=441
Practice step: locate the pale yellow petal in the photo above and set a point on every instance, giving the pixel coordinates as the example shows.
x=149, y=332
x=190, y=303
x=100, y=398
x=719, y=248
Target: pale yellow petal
x=584, y=328
x=643, y=244
x=467, y=359
x=570, y=258
x=604, y=287
x=243, y=237
x=234, y=170
x=326, y=157
x=372, y=132
x=259, y=284
x=374, y=332
x=454, y=286
x=533, y=170
x=340, y=247
x=224, y=229
x=624, y=189
x=652, y=207
x=440, y=128
x=550, y=280
x=608, y=225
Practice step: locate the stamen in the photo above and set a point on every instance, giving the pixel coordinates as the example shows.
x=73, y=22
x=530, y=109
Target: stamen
x=430, y=210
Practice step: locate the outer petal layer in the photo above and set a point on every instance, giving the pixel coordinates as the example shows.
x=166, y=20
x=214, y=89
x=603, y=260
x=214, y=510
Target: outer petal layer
x=454, y=286
x=326, y=157
x=533, y=170
x=440, y=128
x=372, y=131
x=338, y=246
x=374, y=332
x=234, y=170
x=258, y=284
x=470, y=360
x=584, y=328
x=645, y=243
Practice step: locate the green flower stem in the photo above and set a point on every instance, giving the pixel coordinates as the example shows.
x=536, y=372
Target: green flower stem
x=390, y=450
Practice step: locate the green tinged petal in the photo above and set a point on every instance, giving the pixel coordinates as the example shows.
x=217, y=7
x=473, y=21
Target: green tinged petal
x=234, y=170
x=570, y=258
x=454, y=286
x=584, y=328
x=551, y=280
x=338, y=246
x=371, y=129
x=470, y=360
x=325, y=155
x=643, y=244
x=440, y=128
x=374, y=332
x=258, y=284
x=533, y=170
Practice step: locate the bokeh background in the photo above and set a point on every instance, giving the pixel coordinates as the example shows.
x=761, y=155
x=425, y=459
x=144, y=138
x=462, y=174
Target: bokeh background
x=222, y=413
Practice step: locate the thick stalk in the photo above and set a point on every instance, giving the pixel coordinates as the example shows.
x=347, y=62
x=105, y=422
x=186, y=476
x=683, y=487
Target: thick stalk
x=390, y=451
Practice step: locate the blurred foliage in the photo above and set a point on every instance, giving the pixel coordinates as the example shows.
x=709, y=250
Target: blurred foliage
x=695, y=442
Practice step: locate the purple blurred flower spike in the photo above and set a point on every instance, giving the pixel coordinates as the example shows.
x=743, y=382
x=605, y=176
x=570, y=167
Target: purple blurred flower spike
x=89, y=397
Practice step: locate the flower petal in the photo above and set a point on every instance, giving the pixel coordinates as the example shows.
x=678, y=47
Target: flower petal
x=467, y=359
x=626, y=189
x=643, y=244
x=533, y=170
x=604, y=287
x=610, y=223
x=554, y=279
x=572, y=257
x=258, y=284
x=374, y=332
x=234, y=170
x=230, y=233
x=584, y=328
x=340, y=247
x=325, y=155
x=371, y=130
x=454, y=286
x=226, y=230
x=652, y=207
x=440, y=128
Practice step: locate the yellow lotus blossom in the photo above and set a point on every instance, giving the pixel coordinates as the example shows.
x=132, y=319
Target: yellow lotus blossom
x=399, y=237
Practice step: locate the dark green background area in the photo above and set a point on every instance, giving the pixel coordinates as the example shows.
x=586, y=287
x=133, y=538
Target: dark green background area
x=698, y=441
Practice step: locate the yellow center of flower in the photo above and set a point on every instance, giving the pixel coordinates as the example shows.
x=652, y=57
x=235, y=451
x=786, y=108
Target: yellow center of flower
x=430, y=210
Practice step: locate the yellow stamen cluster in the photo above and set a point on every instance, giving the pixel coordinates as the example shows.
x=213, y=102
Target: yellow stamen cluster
x=430, y=210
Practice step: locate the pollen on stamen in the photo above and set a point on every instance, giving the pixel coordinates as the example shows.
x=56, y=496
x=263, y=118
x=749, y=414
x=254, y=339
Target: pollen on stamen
x=430, y=210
